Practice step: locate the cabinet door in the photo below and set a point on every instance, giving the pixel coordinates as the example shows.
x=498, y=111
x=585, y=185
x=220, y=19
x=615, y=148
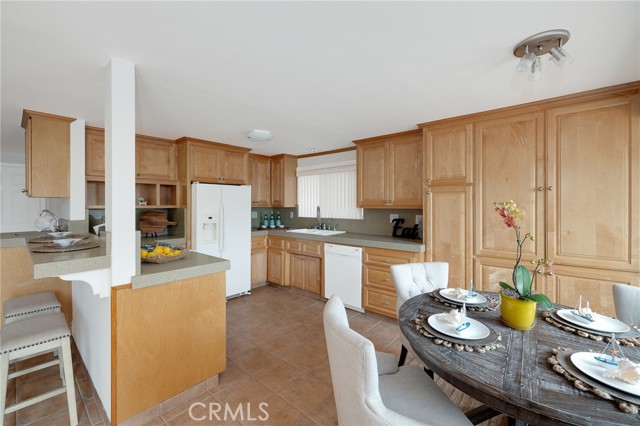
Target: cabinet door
x=405, y=168
x=260, y=180
x=155, y=159
x=447, y=230
x=372, y=175
x=448, y=155
x=297, y=270
x=258, y=266
x=94, y=152
x=565, y=285
x=277, y=179
x=509, y=165
x=593, y=185
x=275, y=268
x=233, y=167
x=204, y=163
x=47, y=157
x=313, y=274
x=490, y=271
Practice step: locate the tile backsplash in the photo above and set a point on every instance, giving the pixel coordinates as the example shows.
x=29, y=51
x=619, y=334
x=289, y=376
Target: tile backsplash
x=375, y=222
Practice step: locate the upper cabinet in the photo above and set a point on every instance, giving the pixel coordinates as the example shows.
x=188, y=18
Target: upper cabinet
x=389, y=168
x=260, y=180
x=283, y=180
x=213, y=162
x=47, y=154
x=448, y=155
x=94, y=151
x=155, y=158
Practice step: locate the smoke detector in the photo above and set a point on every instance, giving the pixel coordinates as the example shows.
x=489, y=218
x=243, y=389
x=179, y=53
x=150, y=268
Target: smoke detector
x=259, y=135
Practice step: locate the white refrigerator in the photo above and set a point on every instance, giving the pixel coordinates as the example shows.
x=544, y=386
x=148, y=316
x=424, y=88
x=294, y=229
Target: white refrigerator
x=221, y=227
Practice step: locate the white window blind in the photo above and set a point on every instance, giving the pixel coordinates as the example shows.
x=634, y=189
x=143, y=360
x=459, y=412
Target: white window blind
x=332, y=187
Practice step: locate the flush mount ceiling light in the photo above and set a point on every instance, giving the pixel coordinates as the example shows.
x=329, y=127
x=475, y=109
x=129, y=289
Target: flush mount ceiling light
x=259, y=135
x=532, y=48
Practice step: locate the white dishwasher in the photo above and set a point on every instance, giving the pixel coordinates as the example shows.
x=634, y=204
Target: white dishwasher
x=343, y=274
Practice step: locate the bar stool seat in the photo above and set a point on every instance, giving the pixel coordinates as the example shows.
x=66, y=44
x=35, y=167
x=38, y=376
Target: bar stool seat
x=30, y=337
x=22, y=307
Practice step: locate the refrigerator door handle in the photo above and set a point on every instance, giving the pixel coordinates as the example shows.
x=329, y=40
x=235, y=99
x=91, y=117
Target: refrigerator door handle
x=221, y=230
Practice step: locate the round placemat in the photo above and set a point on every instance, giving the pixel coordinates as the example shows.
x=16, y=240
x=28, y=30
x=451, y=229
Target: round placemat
x=54, y=248
x=48, y=238
x=631, y=334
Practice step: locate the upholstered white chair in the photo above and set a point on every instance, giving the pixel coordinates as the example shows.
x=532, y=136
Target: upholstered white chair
x=412, y=279
x=626, y=299
x=368, y=393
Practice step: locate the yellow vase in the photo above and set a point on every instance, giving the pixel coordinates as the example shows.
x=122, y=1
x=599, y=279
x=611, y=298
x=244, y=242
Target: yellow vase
x=516, y=313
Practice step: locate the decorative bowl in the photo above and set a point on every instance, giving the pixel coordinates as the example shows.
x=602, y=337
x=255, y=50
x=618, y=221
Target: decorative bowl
x=66, y=242
x=57, y=235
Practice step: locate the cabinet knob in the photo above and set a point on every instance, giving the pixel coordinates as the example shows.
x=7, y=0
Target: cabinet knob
x=550, y=188
x=428, y=180
x=540, y=188
x=24, y=190
x=428, y=192
x=549, y=273
x=539, y=271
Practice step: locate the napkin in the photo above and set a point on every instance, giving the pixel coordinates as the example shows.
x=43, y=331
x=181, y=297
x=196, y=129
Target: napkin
x=453, y=317
x=626, y=370
x=584, y=312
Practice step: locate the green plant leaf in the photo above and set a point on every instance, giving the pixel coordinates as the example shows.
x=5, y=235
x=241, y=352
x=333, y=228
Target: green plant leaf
x=542, y=300
x=523, y=280
x=506, y=286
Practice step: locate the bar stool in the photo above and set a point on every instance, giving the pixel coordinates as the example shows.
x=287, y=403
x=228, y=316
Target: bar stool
x=30, y=337
x=22, y=307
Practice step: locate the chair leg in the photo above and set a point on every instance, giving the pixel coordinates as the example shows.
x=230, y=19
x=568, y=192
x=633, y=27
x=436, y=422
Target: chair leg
x=403, y=356
x=68, y=378
x=428, y=371
x=4, y=383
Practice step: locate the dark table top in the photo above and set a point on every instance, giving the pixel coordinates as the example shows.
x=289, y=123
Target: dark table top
x=516, y=380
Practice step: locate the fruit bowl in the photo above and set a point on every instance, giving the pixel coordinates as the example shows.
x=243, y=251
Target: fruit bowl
x=161, y=253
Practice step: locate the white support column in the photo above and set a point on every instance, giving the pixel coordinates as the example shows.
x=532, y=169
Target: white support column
x=120, y=154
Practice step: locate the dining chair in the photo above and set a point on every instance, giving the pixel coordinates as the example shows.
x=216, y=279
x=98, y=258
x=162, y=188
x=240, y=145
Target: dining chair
x=367, y=394
x=626, y=299
x=412, y=279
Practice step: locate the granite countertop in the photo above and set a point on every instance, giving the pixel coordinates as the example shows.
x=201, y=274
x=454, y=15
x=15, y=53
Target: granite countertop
x=57, y=264
x=351, y=238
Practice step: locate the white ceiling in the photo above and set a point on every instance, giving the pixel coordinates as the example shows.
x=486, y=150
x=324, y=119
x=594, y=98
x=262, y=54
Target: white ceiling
x=316, y=74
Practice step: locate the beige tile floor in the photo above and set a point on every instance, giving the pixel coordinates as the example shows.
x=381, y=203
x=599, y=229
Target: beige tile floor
x=276, y=354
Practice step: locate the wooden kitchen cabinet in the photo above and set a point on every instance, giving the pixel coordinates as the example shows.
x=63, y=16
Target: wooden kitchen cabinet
x=283, y=180
x=94, y=152
x=306, y=272
x=258, y=260
x=388, y=168
x=378, y=291
x=260, y=180
x=276, y=266
x=155, y=158
x=213, y=162
x=47, y=154
x=448, y=155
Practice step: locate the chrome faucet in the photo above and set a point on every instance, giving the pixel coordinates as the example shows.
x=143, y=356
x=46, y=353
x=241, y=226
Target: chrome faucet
x=318, y=218
x=57, y=228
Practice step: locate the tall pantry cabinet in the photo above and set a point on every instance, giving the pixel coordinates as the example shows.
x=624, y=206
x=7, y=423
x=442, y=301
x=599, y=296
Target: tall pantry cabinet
x=573, y=166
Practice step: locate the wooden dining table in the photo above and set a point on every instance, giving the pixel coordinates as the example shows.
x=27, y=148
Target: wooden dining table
x=515, y=379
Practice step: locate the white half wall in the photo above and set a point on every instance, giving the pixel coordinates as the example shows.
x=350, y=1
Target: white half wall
x=91, y=329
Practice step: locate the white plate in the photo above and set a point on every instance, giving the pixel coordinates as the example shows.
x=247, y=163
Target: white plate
x=600, y=323
x=476, y=330
x=448, y=293
x=585, y=362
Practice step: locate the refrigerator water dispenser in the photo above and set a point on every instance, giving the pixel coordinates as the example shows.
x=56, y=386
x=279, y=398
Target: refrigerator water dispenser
x=209, y=228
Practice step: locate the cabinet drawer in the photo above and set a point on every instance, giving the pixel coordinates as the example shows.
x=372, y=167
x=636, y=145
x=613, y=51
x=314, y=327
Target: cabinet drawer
x=258, y=243
x=377, y=276
x=275, y=242
x=389, y=257
x=311, y=248
x=380, y=301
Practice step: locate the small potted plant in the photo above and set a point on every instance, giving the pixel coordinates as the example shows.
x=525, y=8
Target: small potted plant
x=518, y=301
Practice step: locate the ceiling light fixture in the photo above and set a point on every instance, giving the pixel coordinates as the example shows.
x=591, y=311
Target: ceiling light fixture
x=532, y=48
x=259, y=135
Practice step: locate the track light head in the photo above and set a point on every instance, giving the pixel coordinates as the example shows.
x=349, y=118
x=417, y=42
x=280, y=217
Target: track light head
x=532, y=48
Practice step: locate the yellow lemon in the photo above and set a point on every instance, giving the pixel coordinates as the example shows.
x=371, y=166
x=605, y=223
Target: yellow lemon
x=166, y=250
x=143, y=253
x=158, y=249
x=177, y=252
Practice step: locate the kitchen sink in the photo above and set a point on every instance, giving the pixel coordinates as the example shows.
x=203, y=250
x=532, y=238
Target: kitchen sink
x=322, y=232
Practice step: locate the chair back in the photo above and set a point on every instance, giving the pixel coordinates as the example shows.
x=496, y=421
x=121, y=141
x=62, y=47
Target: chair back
x=626, y=299
x=412, y=279
x=354, y=369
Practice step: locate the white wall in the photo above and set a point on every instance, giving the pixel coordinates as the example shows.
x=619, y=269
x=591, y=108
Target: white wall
x=91, y=329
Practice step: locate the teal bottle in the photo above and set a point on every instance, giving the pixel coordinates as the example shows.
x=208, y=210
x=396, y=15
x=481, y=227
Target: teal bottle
x=265, y=221
x=272, y=223
x=278, y=222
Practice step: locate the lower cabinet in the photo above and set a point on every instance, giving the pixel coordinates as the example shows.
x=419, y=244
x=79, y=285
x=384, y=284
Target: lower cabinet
x=258, y=260
x=305, y=272
x=563, y=284
x=276, y=261
x=378, y=291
